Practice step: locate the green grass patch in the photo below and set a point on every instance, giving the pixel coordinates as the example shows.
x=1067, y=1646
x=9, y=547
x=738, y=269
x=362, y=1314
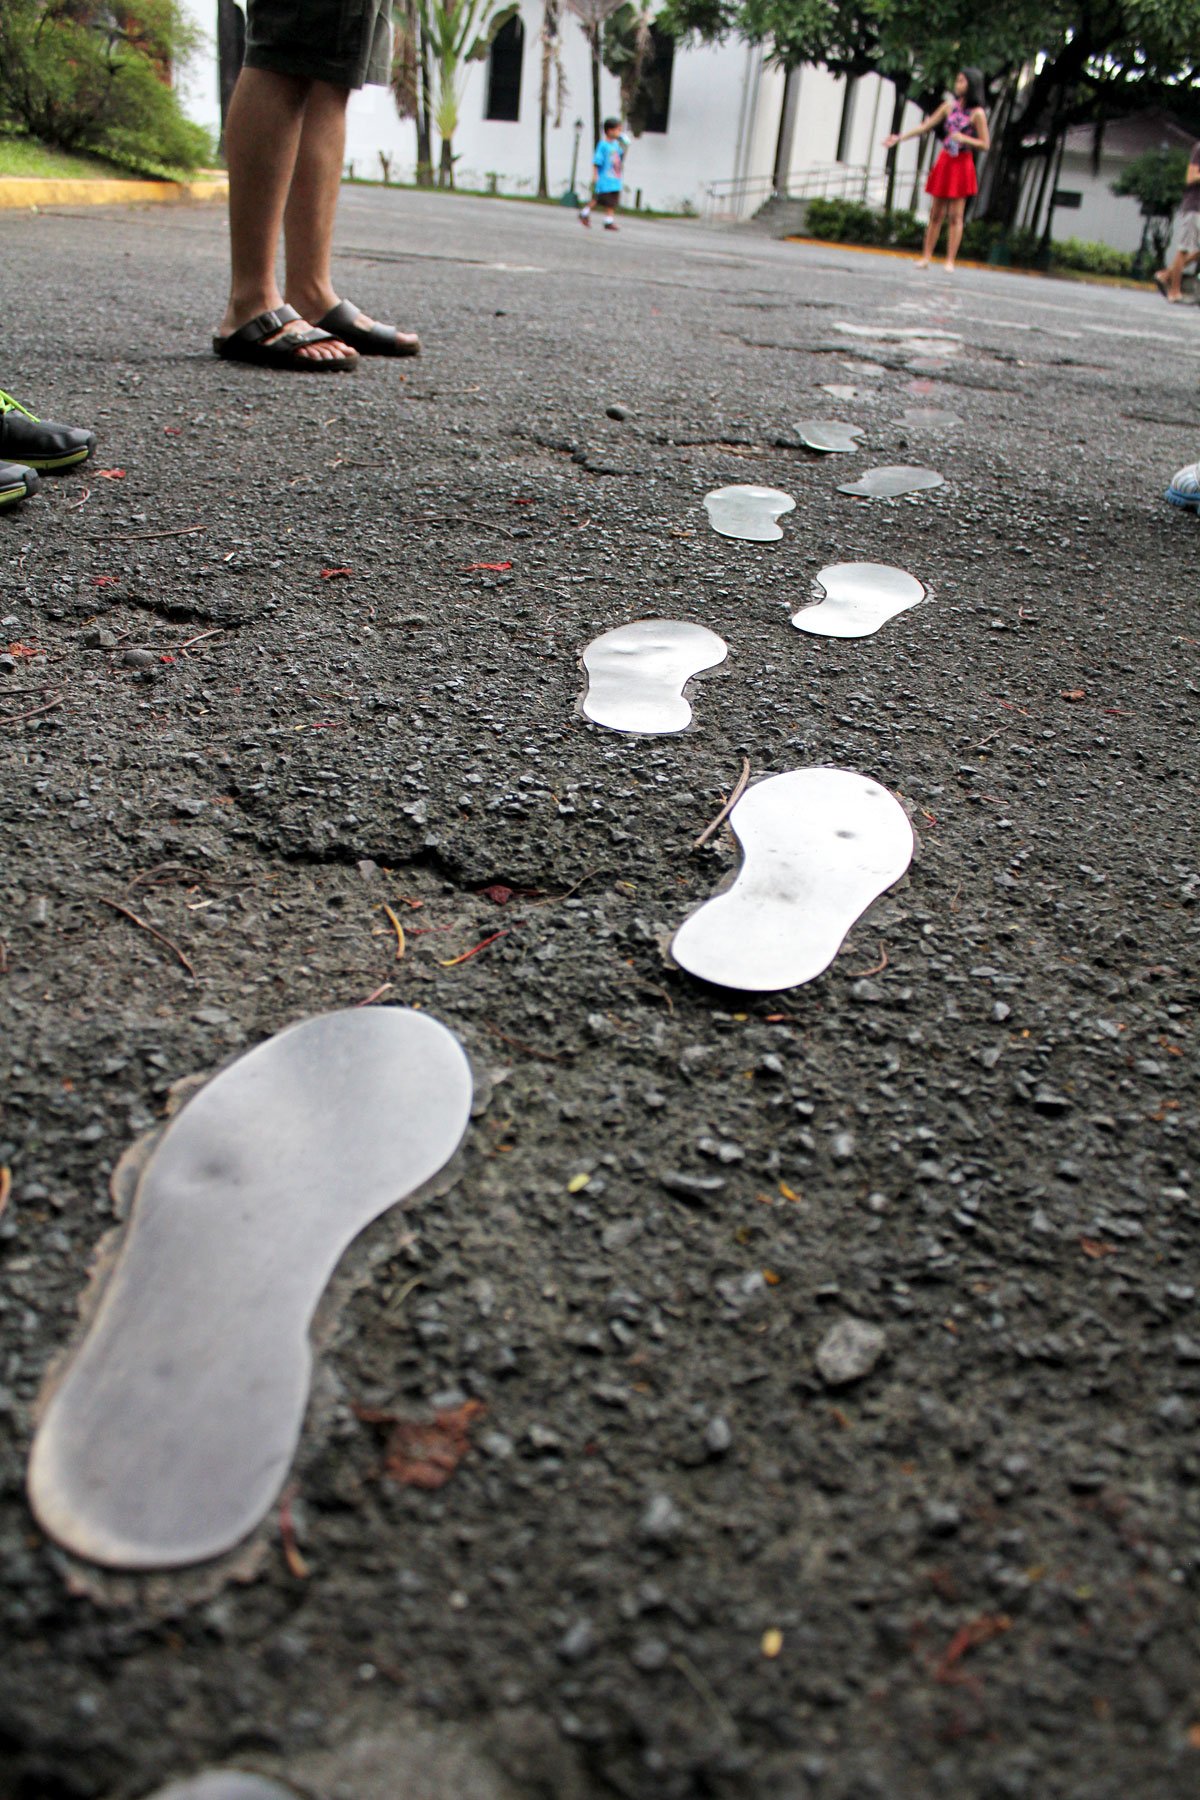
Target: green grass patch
x=25, y=156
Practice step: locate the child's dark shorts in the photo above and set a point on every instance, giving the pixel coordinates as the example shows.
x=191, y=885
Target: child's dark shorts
x=609, y=200
x=345, y=42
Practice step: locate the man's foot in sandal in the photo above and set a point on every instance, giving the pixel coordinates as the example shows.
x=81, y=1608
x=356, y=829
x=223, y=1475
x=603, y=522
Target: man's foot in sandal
x=17, y=483
x=36, y=443
x=280, y=339
x=353, y=327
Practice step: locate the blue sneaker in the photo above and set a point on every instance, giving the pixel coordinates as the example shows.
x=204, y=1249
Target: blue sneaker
x=1185, y=488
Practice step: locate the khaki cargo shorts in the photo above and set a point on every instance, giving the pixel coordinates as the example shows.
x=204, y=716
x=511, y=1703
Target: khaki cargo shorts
x=1188, y=241
x=346, y=42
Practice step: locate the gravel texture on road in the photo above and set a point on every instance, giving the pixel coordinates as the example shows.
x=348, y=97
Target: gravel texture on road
x=822, y=1369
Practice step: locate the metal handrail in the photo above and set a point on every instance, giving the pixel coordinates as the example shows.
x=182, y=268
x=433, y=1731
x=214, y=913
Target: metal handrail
x=821, y=181
x=730, y=199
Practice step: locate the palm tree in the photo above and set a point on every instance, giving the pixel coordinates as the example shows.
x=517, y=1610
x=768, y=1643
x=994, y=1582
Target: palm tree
x=629, y=52
x=553, y=75
x=410, y=82
x=591, y=15
x=451, y=29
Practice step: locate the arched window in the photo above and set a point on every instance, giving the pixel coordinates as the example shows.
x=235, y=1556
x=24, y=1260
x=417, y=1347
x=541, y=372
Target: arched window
x=504, y=72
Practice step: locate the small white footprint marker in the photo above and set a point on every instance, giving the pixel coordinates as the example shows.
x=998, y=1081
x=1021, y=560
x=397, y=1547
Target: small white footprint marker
x=637, y=674
x=748, y=512
x=857, y=598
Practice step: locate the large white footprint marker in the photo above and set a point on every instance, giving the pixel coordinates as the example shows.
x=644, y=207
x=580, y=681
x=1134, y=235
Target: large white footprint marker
x=857, y=599
x=172, y=1428
x=820, y=845
x=747, y=511
x=224, y=1784
x=637, y=673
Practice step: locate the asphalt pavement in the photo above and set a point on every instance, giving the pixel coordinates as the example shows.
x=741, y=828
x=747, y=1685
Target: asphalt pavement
x=295, y=650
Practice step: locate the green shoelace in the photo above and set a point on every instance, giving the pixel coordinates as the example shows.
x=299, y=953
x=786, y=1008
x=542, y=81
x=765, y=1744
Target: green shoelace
x=8, y=404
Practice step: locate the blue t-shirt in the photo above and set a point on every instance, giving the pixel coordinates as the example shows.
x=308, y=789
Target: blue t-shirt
x=610, y=160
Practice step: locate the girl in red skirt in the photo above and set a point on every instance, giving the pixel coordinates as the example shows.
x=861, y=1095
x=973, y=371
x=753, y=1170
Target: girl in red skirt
x=962, y=125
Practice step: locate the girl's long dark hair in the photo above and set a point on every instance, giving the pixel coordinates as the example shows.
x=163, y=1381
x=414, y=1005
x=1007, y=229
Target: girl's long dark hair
x=976, y=94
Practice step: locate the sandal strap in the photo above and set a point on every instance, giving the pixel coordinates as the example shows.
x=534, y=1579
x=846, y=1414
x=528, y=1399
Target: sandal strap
x=267, y=324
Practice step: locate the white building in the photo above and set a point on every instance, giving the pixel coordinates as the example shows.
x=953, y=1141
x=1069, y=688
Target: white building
x=1084, y=203
x=721, y=129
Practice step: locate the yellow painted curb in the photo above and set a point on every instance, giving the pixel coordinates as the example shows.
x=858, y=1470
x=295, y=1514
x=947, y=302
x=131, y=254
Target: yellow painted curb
x=35, y=191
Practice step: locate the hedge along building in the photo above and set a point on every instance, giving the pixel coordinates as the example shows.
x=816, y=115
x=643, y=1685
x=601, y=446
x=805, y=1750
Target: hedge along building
x=728, y=130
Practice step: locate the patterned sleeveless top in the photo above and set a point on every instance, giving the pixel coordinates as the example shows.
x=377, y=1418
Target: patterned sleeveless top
x=957, y=119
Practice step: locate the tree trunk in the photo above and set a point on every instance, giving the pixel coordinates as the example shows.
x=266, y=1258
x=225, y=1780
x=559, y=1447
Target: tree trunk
x=231, y=45
x=446, y=166
x=787, y=130
x=898, y=106
x=543, y=186
x=594, y=38
x=424, y=128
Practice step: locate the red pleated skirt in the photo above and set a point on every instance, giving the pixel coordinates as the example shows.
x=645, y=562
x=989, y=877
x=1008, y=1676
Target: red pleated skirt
x=953, y=177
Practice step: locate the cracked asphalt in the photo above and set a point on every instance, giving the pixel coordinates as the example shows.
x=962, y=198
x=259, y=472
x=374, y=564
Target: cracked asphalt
x=682, y=1558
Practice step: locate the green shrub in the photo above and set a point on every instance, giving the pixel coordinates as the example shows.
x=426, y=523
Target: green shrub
x=1094, y=259
x=83, y=76
x=849, y=222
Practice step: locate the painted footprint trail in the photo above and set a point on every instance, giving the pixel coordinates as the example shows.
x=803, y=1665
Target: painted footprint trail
x=637, y=674
x=857, y=599
x=819, y=845
x=172, y=1427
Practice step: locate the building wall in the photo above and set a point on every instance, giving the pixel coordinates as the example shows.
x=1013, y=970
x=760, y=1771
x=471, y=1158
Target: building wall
x=723, y=125
x=1101, y=217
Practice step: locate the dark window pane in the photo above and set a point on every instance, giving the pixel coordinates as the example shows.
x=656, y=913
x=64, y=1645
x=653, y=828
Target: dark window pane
x=656, y=83
x=504, y=72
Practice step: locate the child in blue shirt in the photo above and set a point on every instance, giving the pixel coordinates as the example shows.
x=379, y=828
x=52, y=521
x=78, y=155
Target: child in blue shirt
x=609, y=163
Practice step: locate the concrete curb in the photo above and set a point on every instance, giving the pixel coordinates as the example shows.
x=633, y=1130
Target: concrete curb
x=34, y=191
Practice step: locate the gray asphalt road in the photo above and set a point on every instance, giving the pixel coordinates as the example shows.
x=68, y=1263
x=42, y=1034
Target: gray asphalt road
x=679, y=1559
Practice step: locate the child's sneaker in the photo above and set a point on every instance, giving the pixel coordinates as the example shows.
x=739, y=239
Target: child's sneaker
x=1185, y=488
x=37, y=443
x=585, y=217
x=17, y=483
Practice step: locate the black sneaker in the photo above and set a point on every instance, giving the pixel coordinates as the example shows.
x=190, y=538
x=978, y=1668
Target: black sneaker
x=37, y=443
x=16, y=483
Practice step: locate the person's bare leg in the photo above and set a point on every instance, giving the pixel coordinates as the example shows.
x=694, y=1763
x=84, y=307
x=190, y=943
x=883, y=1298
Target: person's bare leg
x=1174, y=288
x=262, y=136
x=954, y=231
x=937, y=213
x=312, y=202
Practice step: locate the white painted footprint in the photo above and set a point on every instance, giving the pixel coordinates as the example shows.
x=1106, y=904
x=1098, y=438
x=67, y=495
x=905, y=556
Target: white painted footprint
x=224, y=1784
x=748, y=512
x=857, y=598
x=833, y=436
x=637, y=674
x=171, y=1429
x=889, y=483
x=820, y=845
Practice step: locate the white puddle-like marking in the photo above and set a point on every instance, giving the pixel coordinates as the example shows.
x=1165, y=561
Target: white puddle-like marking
x=748, y=512
x=840, y=391
x=833, y=436
x=889, y=483
x=224, y=1784
x=921, y=416
x=819, y=846
x=901, y=334
x=172, y=1426
x=858, y=598
x=637, y=674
